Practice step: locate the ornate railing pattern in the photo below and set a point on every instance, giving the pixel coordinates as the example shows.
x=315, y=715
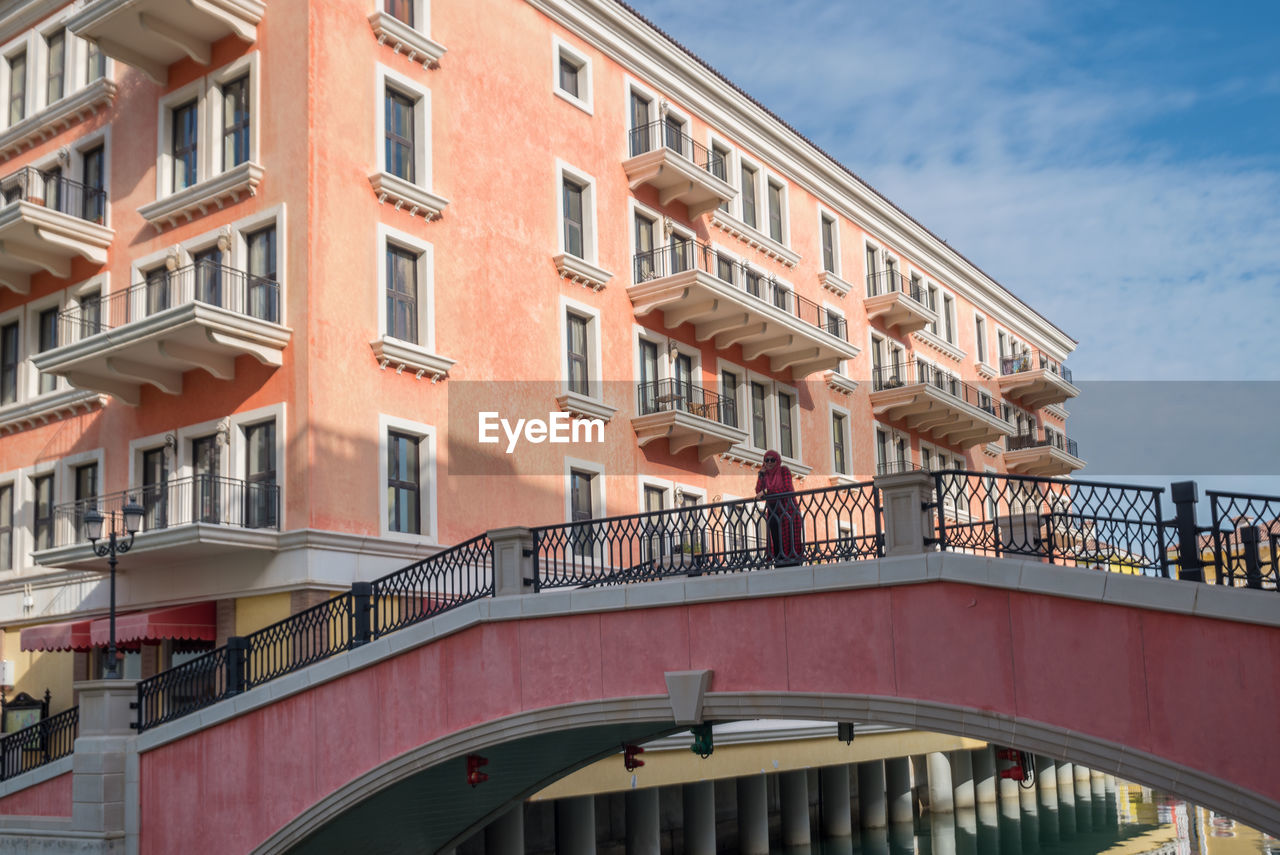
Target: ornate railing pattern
x=1243, y=544
x=805, y=527
x=441, y=582
x=912, y=373
x=51, y=190
x=659, y=134
x=666, y=396
x=43, y=742
x=1084, y=523
x=892, y=281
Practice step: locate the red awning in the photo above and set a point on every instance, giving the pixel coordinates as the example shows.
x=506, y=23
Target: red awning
x=194, y=622
x=72, y=635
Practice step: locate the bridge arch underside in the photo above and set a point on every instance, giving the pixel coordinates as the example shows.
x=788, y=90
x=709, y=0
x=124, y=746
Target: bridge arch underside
x=419, y=803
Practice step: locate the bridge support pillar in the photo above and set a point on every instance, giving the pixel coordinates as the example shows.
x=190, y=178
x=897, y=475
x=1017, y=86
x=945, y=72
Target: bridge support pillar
x=1097, y=784
x=643, y=831
x=753, y=815
x=941, y=794
x=512, y=560
x=873, y=811
x=907, y=520
x=793, y=791
x=962, y=778
x=699, y=799
x=897, y=785
x=984, y=774
x=98, y=801
x=505, y=835
x=833, y=786
x=576, y=825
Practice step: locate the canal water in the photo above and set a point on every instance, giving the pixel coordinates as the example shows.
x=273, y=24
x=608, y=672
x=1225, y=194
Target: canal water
x=1131, y=821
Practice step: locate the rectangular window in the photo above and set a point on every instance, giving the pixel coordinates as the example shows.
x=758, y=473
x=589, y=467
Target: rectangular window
x=401, y=10
x=185, y=144
x=754, y=284
x=649, y=389
x=9, y=362
x=569, y=71
x=86, y=480
x=576, y=338
x=581, y=507
x=402, y=294
x=93, y=206
x=208, y=270
x=155, y=490
x=55, y=82
x=948, y=315
x=828, y=244
x=574, y=223
x=158, y=286
x=980, y=337
x=97, y=61
x=6, y=527
x=90, y=313
x=724, y=267
x=718, y=164
x=47, y=330
x=1002, y=343
x=262, y=497
x=872, y=290
x=400, y=143
x=838, y=444
x=646, y=260
x=263, y=288
x=43, y=529
x=17, y=87
x=729, y=398
x=640, y=130
x=775, y=211
x=759, y=424
x=235, y=122
x=931, y=302
x=404, y=490
x=748, y=196
x=786, y=444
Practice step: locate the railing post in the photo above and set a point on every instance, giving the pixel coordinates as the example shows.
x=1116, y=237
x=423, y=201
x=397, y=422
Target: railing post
x=512, y=560
x=1190, y=565
x=1249, y=537
x=237, y=657
x=361, y=607
x=906, y=498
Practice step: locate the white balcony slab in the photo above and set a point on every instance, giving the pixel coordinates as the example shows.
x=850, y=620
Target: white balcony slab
x=684, y=429
x=897, y=310
x=1037, y=387
x=1045, y=460
x=678, y=179
x=926, y=408
x=34, y=238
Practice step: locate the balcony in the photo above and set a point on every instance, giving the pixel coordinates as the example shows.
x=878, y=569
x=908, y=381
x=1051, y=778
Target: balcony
x=1035, y=380
x=898, y=302
x=185, y=518
x=937, y=404
x=687, y=416
x=200, y=316
x=680, y=169
x=738, y=306
x=46, y=221
x=151, y=35
x=1054, y=455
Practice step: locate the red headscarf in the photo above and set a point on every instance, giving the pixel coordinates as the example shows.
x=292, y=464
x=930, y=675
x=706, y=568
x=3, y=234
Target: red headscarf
x=774, y=477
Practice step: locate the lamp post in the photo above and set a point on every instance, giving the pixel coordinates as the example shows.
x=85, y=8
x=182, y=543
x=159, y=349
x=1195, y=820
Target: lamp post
x=93, y=520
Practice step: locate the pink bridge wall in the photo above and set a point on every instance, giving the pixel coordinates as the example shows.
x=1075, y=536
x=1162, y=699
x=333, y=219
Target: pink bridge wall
x=48, y=798
x=1176, y=686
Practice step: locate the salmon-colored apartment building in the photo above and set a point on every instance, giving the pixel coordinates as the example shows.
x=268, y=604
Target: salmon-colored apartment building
x=263, y=265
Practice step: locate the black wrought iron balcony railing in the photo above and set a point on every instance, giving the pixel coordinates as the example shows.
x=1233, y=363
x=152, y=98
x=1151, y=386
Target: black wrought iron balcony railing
x=684, y=254
x=208, y=499
x=675, y=396
x=891, y=281
x=208, y=282
x=895, y=467
x=52, y=190
x=47, y=740
x=654, y=135
x=1030, y=361
x=1018, y=442
x=911, y=373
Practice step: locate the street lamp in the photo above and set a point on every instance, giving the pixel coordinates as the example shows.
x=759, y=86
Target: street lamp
x=93, y=520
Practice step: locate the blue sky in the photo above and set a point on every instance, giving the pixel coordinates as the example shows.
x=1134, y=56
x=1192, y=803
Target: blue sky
x=1114, y=164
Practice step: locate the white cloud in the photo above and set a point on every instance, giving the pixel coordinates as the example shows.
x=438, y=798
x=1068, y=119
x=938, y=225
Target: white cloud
x=980, y=120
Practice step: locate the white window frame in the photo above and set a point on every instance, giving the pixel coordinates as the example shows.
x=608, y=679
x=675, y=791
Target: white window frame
x=28, y=504
x=24, y=43
x=762, y=203
x=590, y=233
x=868, y=244
x=823, y=216
x=834, y=410
x=981, y=341
x=772, y=177
x=427, y=483
x=100, y=282
x=239, y=252
x=32, y=343
x=385, y=77
x=843, y=367
x=562, y=49
x=207, y=93
x=426, y=344
x=797, y=446
x=740, y=391
x=19, y=558
x=595, y=360
x=41, y=41
x=630, y=85
x=599, y=494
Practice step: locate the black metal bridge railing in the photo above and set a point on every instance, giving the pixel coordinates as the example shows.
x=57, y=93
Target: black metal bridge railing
x=47, y=740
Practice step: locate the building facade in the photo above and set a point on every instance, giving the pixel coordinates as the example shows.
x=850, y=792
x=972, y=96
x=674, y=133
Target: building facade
x=264, y=265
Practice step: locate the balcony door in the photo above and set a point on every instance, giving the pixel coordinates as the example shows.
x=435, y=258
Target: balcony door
x=640, y=107
x=682, y=374
x=205, y=484
x=155, y=493
x=208, y=271
x=648, y=377
x=86, y=477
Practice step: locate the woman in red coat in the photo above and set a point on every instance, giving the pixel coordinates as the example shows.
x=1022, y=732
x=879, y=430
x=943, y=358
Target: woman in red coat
x=782, y=514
